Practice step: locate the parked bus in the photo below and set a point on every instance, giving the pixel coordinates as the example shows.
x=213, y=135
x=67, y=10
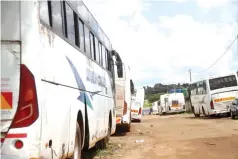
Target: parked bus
x=163, y=108
x=176, y=103
x=123, y=95
x=57, y=80
x=138, y=104
x=155, y=108
x=212, y=96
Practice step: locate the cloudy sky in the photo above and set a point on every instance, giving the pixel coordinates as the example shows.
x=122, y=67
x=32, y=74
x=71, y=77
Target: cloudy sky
x=162, y=39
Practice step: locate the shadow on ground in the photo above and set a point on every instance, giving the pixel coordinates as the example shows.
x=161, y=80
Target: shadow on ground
x=89, y=154
x=120, y=131
x=209, y=117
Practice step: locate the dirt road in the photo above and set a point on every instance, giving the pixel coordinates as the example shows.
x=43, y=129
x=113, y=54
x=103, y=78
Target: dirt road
x=177, y=137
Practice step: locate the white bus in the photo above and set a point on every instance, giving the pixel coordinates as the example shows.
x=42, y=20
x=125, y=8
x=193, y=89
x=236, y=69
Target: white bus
x=155, y=108
x=176, y=103
x=57, y=80
x=163, y=108
x=123, y=95
x=138, y=104
x=213, y=95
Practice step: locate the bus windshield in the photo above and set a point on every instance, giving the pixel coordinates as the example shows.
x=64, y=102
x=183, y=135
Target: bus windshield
x=222, y=82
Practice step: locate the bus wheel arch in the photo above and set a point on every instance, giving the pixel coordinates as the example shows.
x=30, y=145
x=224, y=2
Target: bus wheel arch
x=81, y=126
x=78, y=143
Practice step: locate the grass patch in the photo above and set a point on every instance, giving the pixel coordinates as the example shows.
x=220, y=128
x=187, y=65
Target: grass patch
x=97, y=153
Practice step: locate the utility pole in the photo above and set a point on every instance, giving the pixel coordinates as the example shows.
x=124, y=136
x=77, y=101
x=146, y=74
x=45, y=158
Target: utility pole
x=190, y=75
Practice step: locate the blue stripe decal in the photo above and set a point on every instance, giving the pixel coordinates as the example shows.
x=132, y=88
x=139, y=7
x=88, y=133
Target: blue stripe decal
x=80, y=86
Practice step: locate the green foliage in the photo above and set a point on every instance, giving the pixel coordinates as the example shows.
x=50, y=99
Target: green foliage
x=154, y=97
x=147, y=104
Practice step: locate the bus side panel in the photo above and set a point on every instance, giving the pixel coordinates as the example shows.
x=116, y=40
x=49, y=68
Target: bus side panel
x=59, y=101
x=120, y=97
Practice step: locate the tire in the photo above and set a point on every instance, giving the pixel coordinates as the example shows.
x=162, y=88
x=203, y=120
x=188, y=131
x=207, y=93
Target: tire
x=203, y=111
x=108, y=133
x=195, y=115
x=229, y=114
x=233, y=116
x=102, y=144
x=78, y=143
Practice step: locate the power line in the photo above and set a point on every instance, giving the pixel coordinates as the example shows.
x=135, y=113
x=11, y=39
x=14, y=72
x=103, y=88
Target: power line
x=221, y=55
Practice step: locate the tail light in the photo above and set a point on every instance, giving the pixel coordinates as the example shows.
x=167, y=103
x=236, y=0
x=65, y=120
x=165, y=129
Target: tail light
x=27, y=110
x=140, y=111
x=211, y=104
x=18, y=144
x=125, y=108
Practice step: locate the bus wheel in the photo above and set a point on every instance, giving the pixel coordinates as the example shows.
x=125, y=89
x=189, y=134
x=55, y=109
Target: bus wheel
x=196, y=115
x=229, y=114
x=108, y=131
x=203, y=111
x=102, y=144
x=78, y=143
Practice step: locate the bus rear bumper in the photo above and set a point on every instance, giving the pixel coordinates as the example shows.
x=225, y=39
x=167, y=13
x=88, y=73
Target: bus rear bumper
x=216, y=112
x=12, y=157
x=124, y=120
x=135, y=116
x=178, y=110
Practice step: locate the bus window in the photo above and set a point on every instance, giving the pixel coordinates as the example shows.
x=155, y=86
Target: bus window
x=96, y=49
x=70, y=23
x=103, y=56
x=57, y=22
x=81, y=34
x=100, y=53
x=222, y=82
x=108, y=61
x=92, y=46
x=44, y=12
x=87, y=40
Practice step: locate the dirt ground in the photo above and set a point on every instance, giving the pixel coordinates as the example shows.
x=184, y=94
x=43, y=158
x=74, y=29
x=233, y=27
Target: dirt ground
x=176, y=137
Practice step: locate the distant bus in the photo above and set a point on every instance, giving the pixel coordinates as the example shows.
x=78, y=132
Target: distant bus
x=138, y=104
x=176, y=102
x=57, y=80
x=164, y=105
x=155, y=108
x=123, y=95
x=212, y=96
